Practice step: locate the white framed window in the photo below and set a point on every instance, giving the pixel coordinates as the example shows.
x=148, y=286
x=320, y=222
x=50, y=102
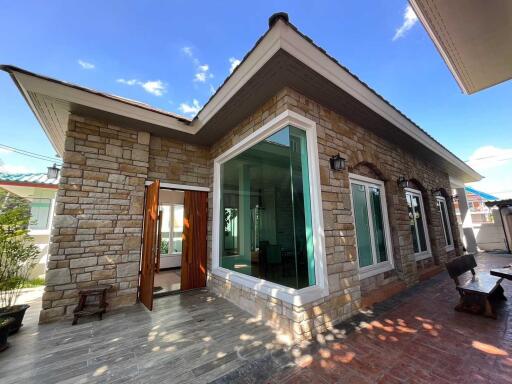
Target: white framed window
x=245, y=197
x=41, y=213
x=172, y=229
x=418, y=224
x=445, y=219
x=373, y=239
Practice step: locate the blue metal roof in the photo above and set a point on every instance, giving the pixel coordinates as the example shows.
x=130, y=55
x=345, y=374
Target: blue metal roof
x=35, y=178
x=483, y=195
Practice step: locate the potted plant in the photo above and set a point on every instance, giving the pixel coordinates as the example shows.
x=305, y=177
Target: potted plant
x=5, y=327
x=18, y=255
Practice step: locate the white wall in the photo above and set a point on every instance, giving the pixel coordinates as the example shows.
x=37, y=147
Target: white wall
x=168, y=196
x=490, y=236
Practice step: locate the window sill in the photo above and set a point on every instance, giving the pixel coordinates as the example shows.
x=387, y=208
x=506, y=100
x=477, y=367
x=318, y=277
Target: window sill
x=39, y=232
x=289, y=295
x=373, y=270
x=422, y=256
x=449, y=248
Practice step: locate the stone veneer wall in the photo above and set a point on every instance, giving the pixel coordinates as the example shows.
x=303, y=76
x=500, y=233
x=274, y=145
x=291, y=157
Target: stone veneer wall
x=98, y=216
x=98, y=223
x=364, y=151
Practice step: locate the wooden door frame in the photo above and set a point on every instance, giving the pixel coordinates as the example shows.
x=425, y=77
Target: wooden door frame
x=167, y=186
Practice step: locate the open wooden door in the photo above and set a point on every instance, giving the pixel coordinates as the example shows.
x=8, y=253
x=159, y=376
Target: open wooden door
x=193, y=257
x=149, y=245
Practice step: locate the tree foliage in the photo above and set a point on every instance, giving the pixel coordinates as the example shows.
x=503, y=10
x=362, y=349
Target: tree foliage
x=18, y=254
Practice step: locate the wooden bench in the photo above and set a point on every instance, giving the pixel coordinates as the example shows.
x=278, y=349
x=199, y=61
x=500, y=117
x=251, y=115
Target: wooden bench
x=99, y=307
x=478, y=291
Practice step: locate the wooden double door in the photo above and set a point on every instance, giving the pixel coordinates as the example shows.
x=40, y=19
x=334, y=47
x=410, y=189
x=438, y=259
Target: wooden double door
x=194, y=240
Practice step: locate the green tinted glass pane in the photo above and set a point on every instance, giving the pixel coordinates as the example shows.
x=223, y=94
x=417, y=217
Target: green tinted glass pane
x=378, y=223
x=412, y=223
x=266, y=228
x=446, y=221
x=419, y=223
x=39, y=213
x=305, y=260
x=364, y=245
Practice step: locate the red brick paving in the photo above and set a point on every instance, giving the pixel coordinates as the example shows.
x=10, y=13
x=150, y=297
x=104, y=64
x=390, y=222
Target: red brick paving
x=423, y=340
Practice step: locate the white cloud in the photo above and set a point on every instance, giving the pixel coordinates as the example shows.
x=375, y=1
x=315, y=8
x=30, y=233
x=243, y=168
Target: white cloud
x=489, y=156
x=9, y=168
x=86, y=65
x=410, y=19
x=127, y=82
x=187, y=51
x=200, y=76
x=155, y=87
x=234, y=63
x=5, y=151
x=202, y=70
x=190, y=109
x=495, y=164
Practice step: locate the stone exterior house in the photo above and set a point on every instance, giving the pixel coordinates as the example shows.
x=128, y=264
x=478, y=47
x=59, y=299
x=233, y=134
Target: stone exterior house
x=291, y=238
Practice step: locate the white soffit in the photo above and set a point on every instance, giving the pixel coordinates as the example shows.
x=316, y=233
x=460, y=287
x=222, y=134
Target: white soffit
x=280, y=36
x=474, y=38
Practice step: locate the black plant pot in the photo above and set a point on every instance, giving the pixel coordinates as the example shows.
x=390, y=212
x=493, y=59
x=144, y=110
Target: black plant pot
x=5, y=327
x=17, y=312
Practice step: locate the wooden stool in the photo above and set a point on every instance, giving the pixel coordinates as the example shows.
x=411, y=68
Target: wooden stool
x=84, y=309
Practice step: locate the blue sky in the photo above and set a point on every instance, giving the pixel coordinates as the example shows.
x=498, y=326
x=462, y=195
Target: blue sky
x=173, y=54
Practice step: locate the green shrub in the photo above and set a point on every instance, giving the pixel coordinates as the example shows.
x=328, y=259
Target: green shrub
x=18, y=254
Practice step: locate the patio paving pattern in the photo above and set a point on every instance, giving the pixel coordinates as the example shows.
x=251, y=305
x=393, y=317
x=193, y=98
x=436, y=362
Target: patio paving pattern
x=415, y=337
x=194, y=337
x=197, y=337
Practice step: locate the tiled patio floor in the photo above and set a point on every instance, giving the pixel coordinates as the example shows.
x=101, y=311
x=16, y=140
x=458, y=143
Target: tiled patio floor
x=194, y=337
x=417, y=338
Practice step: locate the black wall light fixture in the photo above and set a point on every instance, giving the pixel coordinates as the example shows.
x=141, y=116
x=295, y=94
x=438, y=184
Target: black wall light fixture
x=337, y=162
x=402, y=182
x=53, y=172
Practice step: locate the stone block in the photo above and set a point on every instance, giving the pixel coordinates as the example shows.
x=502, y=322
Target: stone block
x=127, y=269
x=83, y=262
x=58, y=276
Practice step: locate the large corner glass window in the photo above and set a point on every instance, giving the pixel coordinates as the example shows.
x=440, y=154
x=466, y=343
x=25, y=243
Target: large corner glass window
x=418, y=224
x=172, y=229
x=265, y=219
x=40, y=214
x=371, y=221
x=445, y=219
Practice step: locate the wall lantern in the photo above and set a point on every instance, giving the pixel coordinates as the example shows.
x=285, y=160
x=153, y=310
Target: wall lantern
x=402, y=182
x=337, y=162
x=437, y=192
x=53, y=172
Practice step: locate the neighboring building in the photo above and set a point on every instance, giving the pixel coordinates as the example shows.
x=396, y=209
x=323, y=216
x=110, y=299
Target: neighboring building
x=267, y=219
x=481, y=220
x=41, y=192
x=473, y=38
x=480, y=213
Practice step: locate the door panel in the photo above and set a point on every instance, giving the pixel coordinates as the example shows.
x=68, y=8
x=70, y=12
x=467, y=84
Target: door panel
x=149, y=246
x=193, y=259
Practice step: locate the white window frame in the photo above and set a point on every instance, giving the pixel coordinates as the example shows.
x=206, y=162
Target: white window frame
x=451, y=246
x=171, y=227
x=384, y=266
x=287, y=294
x=428, y=253
x=47, y=230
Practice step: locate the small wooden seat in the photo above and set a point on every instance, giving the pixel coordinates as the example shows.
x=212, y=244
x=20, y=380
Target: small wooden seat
x=87, y=309
x=476, y=291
